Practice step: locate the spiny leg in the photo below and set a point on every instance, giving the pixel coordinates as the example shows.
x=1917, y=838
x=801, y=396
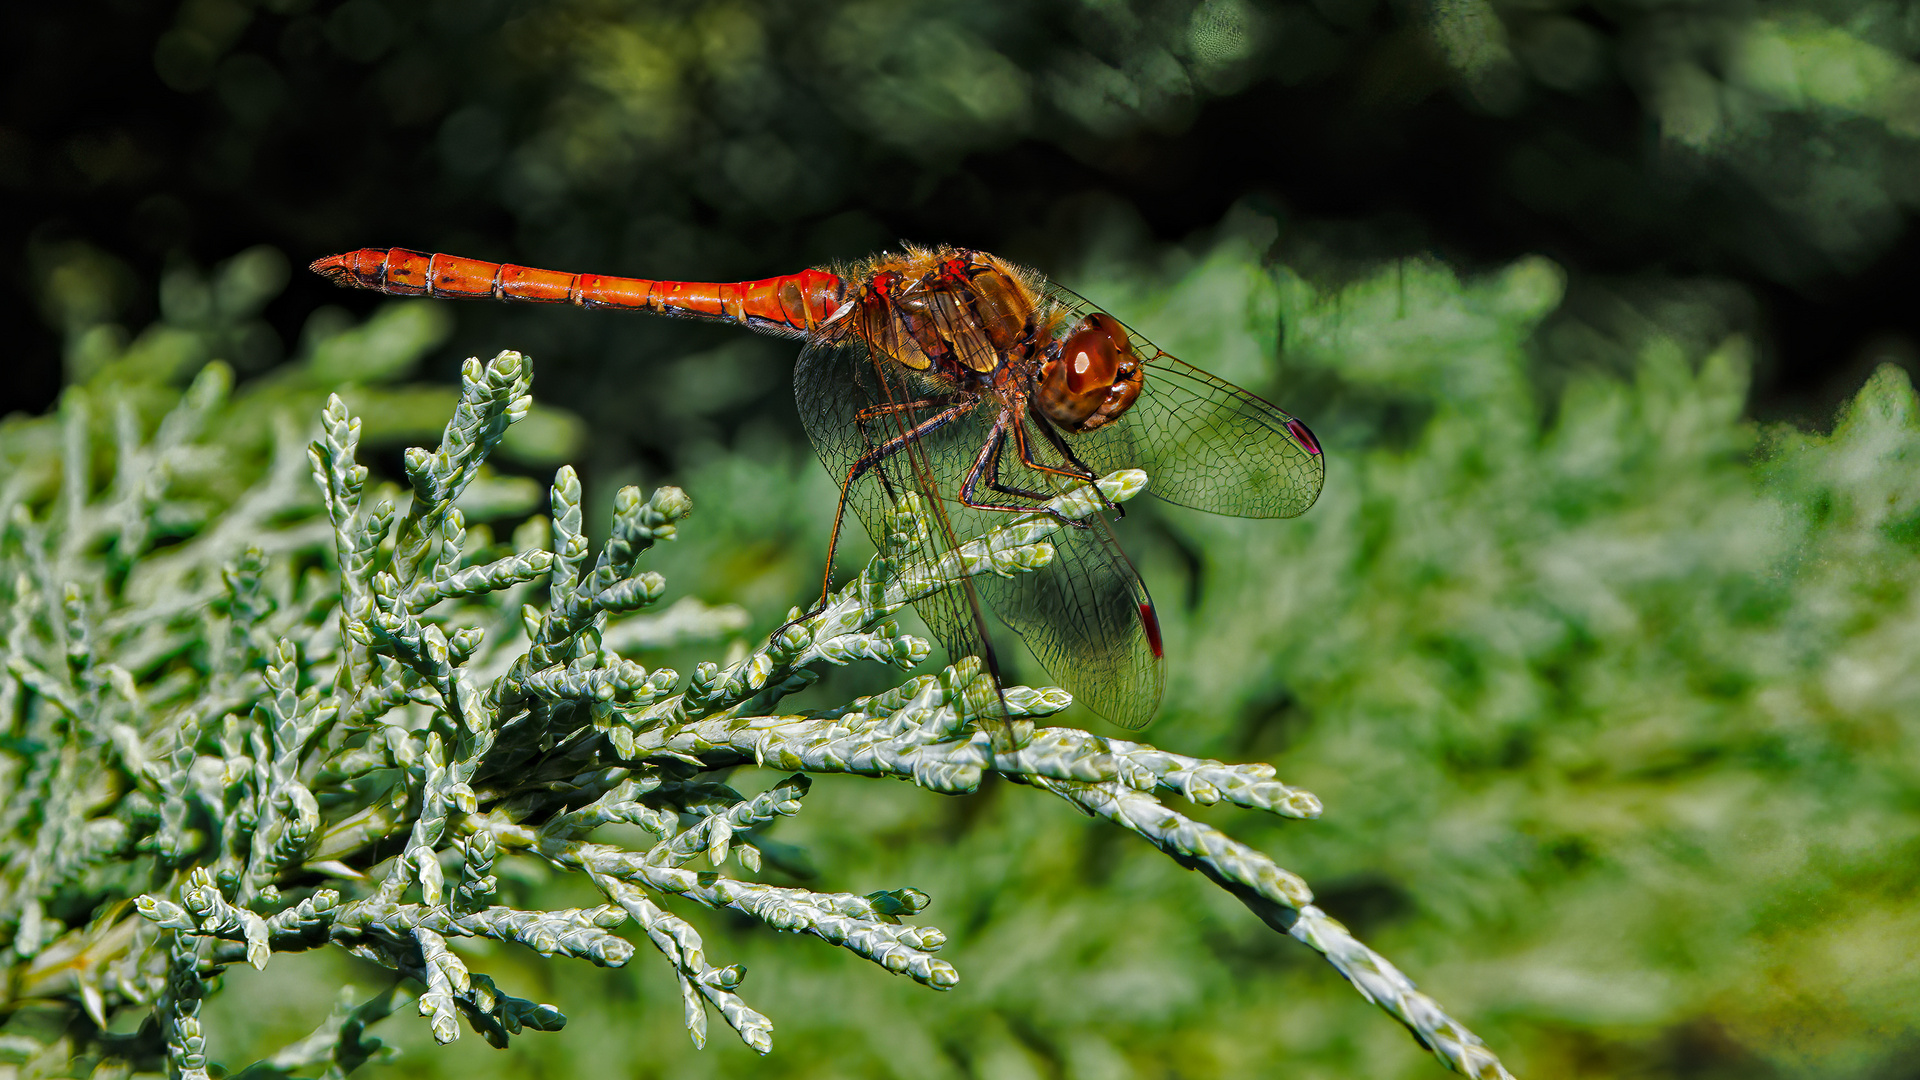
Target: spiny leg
x=1059, y=442
x=992, y=477
x=986, y=467
x=1084, y=475
x=894, y=408
x=874, y=412
x=865, y=463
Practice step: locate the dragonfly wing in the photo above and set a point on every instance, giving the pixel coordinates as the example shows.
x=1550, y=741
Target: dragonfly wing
x=1086, y=616
x=834, y=385
x=1088, y=619
x=1204, y=442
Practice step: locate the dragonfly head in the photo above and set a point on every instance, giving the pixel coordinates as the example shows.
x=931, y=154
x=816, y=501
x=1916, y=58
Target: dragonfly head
x=1089, y=377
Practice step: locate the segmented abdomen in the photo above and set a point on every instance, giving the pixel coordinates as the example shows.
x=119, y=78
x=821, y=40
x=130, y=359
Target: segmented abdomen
x=791, y=303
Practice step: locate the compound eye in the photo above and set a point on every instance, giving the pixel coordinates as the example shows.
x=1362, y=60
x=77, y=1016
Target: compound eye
x=1092, y=353
x=1093, y=378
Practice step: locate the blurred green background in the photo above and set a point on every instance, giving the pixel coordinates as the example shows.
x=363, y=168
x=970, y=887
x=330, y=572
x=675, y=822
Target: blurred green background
x=1600, y=645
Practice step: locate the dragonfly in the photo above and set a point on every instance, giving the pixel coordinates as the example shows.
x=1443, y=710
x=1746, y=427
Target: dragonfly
x=988, y=391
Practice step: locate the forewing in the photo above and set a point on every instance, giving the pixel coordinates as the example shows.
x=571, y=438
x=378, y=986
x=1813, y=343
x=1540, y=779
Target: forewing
x=833, y=384
x=1204, y=442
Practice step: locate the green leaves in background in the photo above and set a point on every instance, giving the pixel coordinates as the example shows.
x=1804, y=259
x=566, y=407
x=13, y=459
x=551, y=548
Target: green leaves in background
x=215, y=318
x=1608, y=692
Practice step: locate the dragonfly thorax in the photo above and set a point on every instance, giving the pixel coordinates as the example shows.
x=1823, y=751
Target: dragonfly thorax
x=980, y=323
x=957, y=314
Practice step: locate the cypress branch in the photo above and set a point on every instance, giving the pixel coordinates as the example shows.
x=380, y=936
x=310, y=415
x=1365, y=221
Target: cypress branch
x=399, y=721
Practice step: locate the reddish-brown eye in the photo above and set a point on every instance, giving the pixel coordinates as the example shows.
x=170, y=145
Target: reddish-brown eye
x=1090, y=377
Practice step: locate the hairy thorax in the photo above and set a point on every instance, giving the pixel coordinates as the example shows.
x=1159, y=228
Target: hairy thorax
x=977, y=323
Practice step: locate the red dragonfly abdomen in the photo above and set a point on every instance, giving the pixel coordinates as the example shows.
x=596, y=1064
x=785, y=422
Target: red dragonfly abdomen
x=791, y=303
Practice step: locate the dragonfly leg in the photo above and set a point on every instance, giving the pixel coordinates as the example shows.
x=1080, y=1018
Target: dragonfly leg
x=992, y=476
x=874, y=412
x=870, y=460
x=1078, y=470
x=894, y=408
x=986, y=467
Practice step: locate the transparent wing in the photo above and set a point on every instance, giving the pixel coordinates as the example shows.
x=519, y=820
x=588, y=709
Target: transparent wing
x=1088, y=619
x=852, y=408
x=1087, y=616
x=1204, y=442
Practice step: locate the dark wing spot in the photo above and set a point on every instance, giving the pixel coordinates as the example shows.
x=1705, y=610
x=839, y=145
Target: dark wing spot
x=1152, y=623
x=1302, y=436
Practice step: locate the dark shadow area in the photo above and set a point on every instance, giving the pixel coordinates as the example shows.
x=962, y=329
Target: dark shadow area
x=160, y=136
